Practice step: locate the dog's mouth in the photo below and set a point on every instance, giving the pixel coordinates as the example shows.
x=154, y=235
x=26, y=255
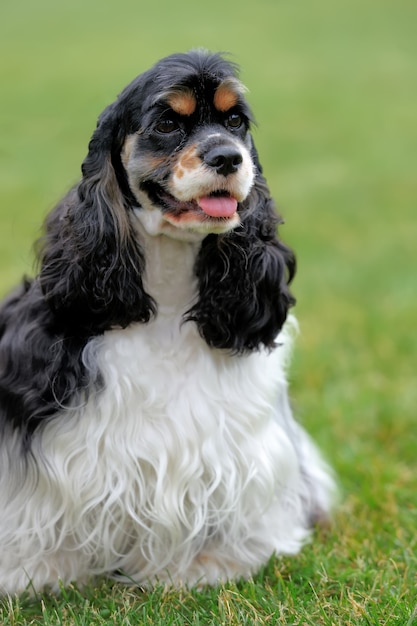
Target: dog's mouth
x=217, y=205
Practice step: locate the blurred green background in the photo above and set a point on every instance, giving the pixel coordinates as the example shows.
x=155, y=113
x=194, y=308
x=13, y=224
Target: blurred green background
x=334, y=89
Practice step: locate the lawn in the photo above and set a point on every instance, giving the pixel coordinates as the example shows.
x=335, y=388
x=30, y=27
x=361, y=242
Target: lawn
x=334, y=90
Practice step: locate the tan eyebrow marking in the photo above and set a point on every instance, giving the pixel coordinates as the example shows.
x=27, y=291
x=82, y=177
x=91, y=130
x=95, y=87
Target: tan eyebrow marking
x=227, y=94
x=182, y=102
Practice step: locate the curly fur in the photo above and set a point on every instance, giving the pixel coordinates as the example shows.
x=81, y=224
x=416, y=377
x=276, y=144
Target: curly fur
x=146, y=432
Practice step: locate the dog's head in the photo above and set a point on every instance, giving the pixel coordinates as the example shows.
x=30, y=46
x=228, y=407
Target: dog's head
x=175, y=150
x=187, y=152
x=179, y=138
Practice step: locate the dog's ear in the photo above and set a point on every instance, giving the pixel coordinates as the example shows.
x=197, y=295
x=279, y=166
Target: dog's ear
x=91, y=262
x=243, y=278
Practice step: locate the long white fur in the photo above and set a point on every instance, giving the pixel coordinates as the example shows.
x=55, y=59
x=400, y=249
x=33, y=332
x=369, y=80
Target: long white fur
x=187, y=468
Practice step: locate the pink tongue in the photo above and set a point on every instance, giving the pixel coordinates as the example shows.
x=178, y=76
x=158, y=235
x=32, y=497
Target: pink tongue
x=218, y=206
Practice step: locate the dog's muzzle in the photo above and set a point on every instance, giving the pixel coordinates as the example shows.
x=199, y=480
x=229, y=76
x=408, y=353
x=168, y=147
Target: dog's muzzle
x=224, y=159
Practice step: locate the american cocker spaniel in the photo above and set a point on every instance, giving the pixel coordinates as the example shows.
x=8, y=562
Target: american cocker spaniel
x=146, y=432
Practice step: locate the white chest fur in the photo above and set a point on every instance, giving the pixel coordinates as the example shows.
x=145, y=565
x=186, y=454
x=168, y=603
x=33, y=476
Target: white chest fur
x=184, y=451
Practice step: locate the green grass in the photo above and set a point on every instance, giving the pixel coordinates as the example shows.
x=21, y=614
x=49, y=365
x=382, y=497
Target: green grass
x=334, y=89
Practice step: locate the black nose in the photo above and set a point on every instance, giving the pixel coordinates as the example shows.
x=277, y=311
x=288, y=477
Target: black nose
x=224, y=159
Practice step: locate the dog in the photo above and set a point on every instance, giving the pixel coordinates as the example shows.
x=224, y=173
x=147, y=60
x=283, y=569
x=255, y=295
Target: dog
x=146, y=430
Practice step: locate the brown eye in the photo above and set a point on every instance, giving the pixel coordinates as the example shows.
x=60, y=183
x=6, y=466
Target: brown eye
x=234, y=120
x=167, y=126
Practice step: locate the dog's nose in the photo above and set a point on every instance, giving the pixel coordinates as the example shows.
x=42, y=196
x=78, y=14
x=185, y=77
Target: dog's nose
x=224, y=159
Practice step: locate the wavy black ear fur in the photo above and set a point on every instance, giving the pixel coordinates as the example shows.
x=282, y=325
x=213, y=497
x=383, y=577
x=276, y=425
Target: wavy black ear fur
x=91, y=262
x=40, y=367
x=243, y=279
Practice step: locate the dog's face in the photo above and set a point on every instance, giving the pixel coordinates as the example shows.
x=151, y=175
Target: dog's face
x=173, y=153
x=188, y=162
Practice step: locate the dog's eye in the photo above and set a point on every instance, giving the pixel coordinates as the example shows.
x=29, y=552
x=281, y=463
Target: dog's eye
x=234, y=120
x=167, y=126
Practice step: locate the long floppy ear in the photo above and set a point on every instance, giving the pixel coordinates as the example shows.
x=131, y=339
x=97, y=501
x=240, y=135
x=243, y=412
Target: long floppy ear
x=243, y=279
x=91, y=262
